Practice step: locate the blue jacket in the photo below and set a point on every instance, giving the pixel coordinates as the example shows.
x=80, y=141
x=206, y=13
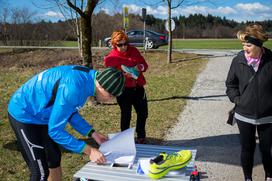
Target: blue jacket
x=36, y=102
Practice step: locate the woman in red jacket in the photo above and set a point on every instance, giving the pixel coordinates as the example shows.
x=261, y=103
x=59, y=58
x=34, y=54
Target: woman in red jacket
x=128, y=58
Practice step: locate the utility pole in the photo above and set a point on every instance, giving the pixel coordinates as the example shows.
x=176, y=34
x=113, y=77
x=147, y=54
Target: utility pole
x=144, y=18
x=169, y=55
x=125, y=18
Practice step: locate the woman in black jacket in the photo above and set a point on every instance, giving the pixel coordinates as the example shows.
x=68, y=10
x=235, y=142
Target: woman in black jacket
x=253, y=98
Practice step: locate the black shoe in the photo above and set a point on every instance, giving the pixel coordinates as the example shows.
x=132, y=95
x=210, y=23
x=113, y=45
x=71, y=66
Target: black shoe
x=140, y=141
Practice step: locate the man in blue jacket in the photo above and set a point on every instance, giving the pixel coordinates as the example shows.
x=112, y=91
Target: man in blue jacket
x=41, y=108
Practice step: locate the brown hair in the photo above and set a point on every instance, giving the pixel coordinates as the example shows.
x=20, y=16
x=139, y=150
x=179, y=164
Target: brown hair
x=253, y=30
x=118, y=36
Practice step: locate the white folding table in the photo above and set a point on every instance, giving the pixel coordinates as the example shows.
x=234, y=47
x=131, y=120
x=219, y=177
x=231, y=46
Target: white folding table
x=92, y=171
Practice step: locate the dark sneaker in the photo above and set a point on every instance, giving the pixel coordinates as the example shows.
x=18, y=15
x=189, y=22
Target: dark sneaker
x=131, y=70
x=140, y=141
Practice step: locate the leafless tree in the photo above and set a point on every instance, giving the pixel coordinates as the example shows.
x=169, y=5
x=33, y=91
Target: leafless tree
x=104, y=25
x=173, y=4
x=85, y=9
x=21, y=19
x=69, y=13
x=4, y=13
x=86, y=27
x=71, y=17
x=4, y=25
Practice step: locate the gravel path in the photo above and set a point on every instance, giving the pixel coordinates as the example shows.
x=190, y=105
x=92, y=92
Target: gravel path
x=202, y=125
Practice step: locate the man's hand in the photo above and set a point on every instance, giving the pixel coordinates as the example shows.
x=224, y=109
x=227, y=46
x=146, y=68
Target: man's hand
x=99, y=138
x=94, y=154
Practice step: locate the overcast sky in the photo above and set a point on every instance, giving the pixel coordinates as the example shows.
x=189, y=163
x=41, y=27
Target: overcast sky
x=238, y=10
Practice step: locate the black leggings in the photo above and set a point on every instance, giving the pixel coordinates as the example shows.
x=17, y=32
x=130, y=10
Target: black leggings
x=135, y=97
x=248, y=143
x=39, y=151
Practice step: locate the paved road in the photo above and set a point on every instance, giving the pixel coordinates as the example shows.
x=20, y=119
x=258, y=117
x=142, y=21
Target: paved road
x=202, y=124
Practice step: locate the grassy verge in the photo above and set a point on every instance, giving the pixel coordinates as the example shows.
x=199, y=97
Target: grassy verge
x=184, y=44
x=195, y=44
x=167, y=85
x=69, y=43
x=5, y=50
x=207, y=43
x=211, y=44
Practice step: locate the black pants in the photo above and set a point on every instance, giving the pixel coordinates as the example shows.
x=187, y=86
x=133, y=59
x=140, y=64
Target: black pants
x=39, y=151
x=248, y=143
x=135, y=97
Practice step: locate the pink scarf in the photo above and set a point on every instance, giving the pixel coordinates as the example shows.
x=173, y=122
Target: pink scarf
x=254, y=62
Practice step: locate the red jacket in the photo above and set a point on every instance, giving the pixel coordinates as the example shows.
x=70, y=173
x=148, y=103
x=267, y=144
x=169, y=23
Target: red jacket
x=130, y=58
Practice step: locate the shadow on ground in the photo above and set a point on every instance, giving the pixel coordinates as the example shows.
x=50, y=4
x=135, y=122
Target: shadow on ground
x=223, y=149
x=207, y=98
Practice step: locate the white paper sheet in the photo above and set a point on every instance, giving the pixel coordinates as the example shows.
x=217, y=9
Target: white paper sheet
x=143, y=166
x=120, y=149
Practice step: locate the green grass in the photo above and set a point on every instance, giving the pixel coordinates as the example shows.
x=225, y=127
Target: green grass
x=207, y=44
x=69, y=43
x=195, y=44
x=167, y=85
x=211, y=44
x=5, y=50
x=184, y=44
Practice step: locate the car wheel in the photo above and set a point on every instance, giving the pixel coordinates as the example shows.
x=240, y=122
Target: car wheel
x=109, y=44
x=149, y=44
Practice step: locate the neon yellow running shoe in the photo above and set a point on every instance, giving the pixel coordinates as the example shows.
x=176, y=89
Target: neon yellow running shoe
x=131, y=70
x=163, y=163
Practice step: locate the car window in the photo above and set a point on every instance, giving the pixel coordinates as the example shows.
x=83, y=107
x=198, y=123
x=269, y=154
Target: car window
x=154, y=33
x=139, y=33
x=131, y=33
x=148, y=33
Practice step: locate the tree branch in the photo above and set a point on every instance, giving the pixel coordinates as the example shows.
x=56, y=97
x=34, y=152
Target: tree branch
x=91, y=5
x=75, y=8
x=179, y=3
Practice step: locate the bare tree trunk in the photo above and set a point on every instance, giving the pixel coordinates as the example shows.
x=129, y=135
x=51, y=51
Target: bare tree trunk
x=86, y=31
x=78, y=30
x=169, y=55
x=79, y=37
